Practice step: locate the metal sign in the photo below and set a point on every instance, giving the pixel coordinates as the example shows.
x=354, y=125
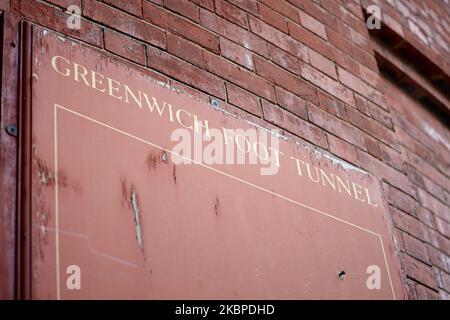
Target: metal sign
x=142, y=191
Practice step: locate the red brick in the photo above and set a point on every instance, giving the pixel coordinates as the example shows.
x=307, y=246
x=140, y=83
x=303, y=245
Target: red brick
x=437, y=258
x=183, y=7
x=419, y=272
x=181, y=26
x=311, y=40
x=124, y=46
x=407, y=223
x=233, y=32
x=236, y=53
x=184, y=49
x=124, y=22
x=278, y=38
x=332, y=106
x=424, y=293
x=326, y=83
x=335, y=126
x=342, y=149
x=373, y=128
x=131, y=6
x=389, y=174
x=443, y=226
x=357, y=53
x=440, y=242
x=434, y=205
x=415, y=248
x=392, y=157
x=246, y=5
x=322, y=63
x=380, y=115
x=445, y=280
x=294, y=124
x=361, y=87
x=284, y=8
x=312, y=24
x=185, y=72
x=207, y=4
x=243, y=99
x=285, y=79
x=373, y=147
x=291, y=102
x=283, y=59
x=56, y=19
x=401, y=200
x=273, y=18
x=239, y=76
x=231, y=13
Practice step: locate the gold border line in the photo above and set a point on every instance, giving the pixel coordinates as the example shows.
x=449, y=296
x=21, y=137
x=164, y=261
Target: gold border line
x=56, y=106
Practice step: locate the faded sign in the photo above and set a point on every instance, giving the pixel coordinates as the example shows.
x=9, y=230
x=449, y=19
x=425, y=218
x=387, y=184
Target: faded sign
x=142, y=191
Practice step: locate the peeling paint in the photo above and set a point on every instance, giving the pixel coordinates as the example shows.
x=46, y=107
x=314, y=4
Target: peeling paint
x=137, y=218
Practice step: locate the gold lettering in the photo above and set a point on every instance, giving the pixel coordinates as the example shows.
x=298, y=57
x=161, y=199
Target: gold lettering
x=325, y=177
x=77, y=74
x=198, y=125
x=66, y=72
x=112, y=88
x=357, y=192
x=177, y=114
x=368, y=199
x=129, y=92
x=96, y=81
x=341, y=183
x=298, y=161
x=309, y=173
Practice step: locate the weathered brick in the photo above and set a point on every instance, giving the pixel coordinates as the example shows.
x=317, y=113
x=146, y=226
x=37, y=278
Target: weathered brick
x=312, y=24
x=434, y=205
x=181, y=26
x=236, y=53
x=124, y=22
x=231, y=13
x=124, y=46
x=415, y=248
x=373, y=147
x=132, y=6
x=326, y=83
x=283, y=59
x=56, y=19
x=233, y=32
x=273, y=18
x=291, y=102
x=419, y=272
x=361, y=87
x=332, y=105
x=207, y=4
x=322, y=63
x=294, y=124
x=278, y=38
x=283, y=8
x=342, y=149
x=243, y=99
x=250, y=6
x=185, y=72
x=373, y=128
x=285, y=80
x=184, y=49
x=239, y=76
x=183, y=7
x=335, y=126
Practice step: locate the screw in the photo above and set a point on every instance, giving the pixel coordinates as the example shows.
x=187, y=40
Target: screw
x=164, y=156
x=11, y=130
x=215, y=103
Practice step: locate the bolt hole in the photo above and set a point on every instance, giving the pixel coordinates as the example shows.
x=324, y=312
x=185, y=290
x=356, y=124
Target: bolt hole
x=13, y=44
x=341, y=275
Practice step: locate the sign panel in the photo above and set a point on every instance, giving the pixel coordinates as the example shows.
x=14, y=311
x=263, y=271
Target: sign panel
x=142, y=191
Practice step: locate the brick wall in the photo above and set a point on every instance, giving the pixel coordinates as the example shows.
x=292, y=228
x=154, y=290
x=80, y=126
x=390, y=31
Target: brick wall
x=308, y=68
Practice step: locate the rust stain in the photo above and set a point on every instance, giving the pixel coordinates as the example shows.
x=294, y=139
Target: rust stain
x=217, y=207
x=155, y=158
x=174, y=174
